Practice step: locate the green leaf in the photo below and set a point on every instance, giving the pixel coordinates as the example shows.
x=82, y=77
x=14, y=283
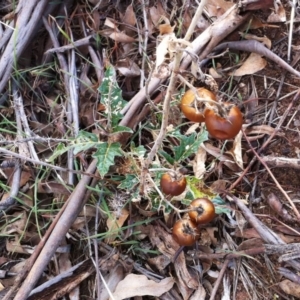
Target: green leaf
x=85, y=135
x=105, y=156
x=129, y=182
x=189, y=145
x=60, y=149
x=84, y=141
x=167, y=157
x=119, y=129
x=138, y=151
x=111, y=97
x=196, y=186
x=220, y=205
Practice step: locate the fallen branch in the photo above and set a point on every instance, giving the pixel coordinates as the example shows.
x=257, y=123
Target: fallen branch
x=267, y=235
x=202, y=45
x=281, y=162
x=259, y=48
x=64, y=222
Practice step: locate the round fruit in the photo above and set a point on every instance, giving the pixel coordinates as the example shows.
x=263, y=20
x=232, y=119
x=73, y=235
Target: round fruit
x=202, y=210
x=185, y=232
x=227, y=127
x=172, y=184
x=192, y=108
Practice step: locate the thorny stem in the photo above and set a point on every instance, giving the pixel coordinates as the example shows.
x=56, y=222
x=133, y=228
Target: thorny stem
x=195, y=20
x=42, y=163
x=166, y=109
x=178, y=211
x=163, y=198
x=171, y=87
x=144, y=47
x=172, y=171
x=160, y=169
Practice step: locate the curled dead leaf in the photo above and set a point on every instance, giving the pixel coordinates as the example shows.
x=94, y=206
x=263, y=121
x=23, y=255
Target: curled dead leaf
x=236, y=150
x=199, y=163
x=266, y=41
x=139, y=285
x=279, y=15
x=291, y=288
x=114, y=223
x=165, y=29
x=251, y=65
x=127, y=67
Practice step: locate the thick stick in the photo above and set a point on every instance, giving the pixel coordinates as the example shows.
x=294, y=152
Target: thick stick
x=204, y=43
x=64, y=223
x=259, y=48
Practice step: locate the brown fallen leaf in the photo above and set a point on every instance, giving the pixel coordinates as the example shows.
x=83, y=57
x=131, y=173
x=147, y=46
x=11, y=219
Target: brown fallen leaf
x=248, y=233
x=13, y=246
x=156, y=13
x=127, y=67
x=166, y=245
x=236, y=150
x=266, y=41
x=119, y=37
x=199, y=163
x=217, y=8
x=139, y=285
x=199, y=294
x=165, y=29
x=112, y=279
x=256, y=23
x=114, y=223
x=17, y=224
x=250, y=244
x=251, y=65
x=279, y=15
x=291, y=288
x=255, y=4
x=129, y=16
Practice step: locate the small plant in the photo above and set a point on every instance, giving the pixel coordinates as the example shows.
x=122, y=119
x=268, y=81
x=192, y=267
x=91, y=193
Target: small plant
x=105, y=151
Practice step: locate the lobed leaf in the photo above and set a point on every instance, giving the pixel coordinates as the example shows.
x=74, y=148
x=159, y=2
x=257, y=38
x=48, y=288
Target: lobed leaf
x=105, y=155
